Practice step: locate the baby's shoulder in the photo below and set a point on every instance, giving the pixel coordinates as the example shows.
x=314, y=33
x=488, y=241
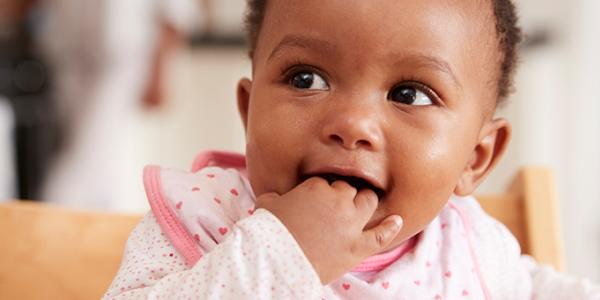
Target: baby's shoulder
x=497, y=250
x=485, y=230
x=478, y=220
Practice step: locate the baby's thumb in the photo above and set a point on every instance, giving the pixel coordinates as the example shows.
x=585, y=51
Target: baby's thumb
x=265, y=200
x=383, y=234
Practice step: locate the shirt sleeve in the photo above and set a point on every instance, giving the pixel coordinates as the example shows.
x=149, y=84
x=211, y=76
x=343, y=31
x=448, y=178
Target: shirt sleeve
x=259, y=259
x=550, y=284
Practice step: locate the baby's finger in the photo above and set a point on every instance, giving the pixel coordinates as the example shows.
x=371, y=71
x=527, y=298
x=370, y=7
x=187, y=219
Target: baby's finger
x=344, y=187
x=379, y=237
x=313, y=182
x=366, y=202
x=265, y=199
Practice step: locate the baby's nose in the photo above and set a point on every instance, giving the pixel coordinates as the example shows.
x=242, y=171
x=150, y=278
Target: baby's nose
x=353, y=128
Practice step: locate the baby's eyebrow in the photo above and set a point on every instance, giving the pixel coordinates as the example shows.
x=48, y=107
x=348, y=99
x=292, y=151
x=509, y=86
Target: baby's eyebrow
x=427, y=61
x=300, y=41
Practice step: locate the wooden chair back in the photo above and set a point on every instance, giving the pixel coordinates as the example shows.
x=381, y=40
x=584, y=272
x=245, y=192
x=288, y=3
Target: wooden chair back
x=529, y=208
x=54, y=253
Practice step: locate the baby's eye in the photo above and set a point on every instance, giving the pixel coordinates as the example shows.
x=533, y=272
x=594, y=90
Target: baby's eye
x=308, y=81
x=410, y=95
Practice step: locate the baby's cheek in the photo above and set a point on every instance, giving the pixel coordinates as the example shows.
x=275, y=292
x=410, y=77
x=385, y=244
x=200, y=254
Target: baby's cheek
x=270, y=165
x=443, y=162
x=422, y=188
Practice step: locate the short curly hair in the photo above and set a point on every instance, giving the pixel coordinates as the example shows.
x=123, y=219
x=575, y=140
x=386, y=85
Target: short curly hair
x=507, y=28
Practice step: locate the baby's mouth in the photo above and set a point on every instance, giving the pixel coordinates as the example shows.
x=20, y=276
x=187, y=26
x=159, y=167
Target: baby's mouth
x=357, y=182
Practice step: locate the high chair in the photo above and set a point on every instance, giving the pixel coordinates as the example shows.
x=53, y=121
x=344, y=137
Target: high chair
x=529, y=208
x=48, y=252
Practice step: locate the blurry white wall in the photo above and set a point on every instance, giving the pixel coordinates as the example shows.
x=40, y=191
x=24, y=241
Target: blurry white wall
x=201, y=110
x=227, y=16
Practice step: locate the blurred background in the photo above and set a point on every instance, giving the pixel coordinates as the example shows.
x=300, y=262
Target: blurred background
x=91, y=91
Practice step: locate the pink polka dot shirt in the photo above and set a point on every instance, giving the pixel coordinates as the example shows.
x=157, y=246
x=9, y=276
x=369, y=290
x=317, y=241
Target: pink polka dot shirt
x=203, y=239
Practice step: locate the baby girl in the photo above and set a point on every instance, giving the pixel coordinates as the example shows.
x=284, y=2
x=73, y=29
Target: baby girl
x=368, y=125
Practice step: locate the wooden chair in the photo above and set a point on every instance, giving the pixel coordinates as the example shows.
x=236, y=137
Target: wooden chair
x=53, y=253
x=529, y=208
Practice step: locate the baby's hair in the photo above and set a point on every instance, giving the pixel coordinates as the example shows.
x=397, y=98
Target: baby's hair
x=507, y=28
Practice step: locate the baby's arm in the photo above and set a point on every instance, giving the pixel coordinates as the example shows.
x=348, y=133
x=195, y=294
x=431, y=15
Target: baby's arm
x=259, y=259
x=547, y=283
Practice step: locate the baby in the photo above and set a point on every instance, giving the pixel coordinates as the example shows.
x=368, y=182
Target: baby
x=368, y=125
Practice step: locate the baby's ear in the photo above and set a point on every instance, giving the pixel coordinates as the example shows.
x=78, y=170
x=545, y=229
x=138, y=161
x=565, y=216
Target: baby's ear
x=493, y=140
x=243, y=99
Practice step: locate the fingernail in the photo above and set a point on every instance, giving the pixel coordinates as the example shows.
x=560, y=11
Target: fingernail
x=398, y=221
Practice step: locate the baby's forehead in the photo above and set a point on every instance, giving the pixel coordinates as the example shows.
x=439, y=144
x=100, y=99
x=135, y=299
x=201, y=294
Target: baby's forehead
x=423, y=25
x=385, y=16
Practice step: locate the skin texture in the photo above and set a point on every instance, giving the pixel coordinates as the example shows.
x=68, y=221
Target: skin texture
x=418, y=154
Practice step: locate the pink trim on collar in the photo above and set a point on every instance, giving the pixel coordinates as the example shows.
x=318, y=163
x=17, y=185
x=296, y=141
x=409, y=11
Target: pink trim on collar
x=170, y=224
x=381, y=261
x=222, y=159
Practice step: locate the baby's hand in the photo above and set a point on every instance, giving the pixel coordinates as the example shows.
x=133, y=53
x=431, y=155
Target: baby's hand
x=327, y=221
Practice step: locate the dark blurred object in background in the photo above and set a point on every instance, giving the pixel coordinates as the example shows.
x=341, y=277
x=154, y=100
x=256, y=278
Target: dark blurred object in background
x=24, y=82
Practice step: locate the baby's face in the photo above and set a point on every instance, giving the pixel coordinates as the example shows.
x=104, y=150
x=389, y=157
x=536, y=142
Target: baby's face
x=395, y=93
